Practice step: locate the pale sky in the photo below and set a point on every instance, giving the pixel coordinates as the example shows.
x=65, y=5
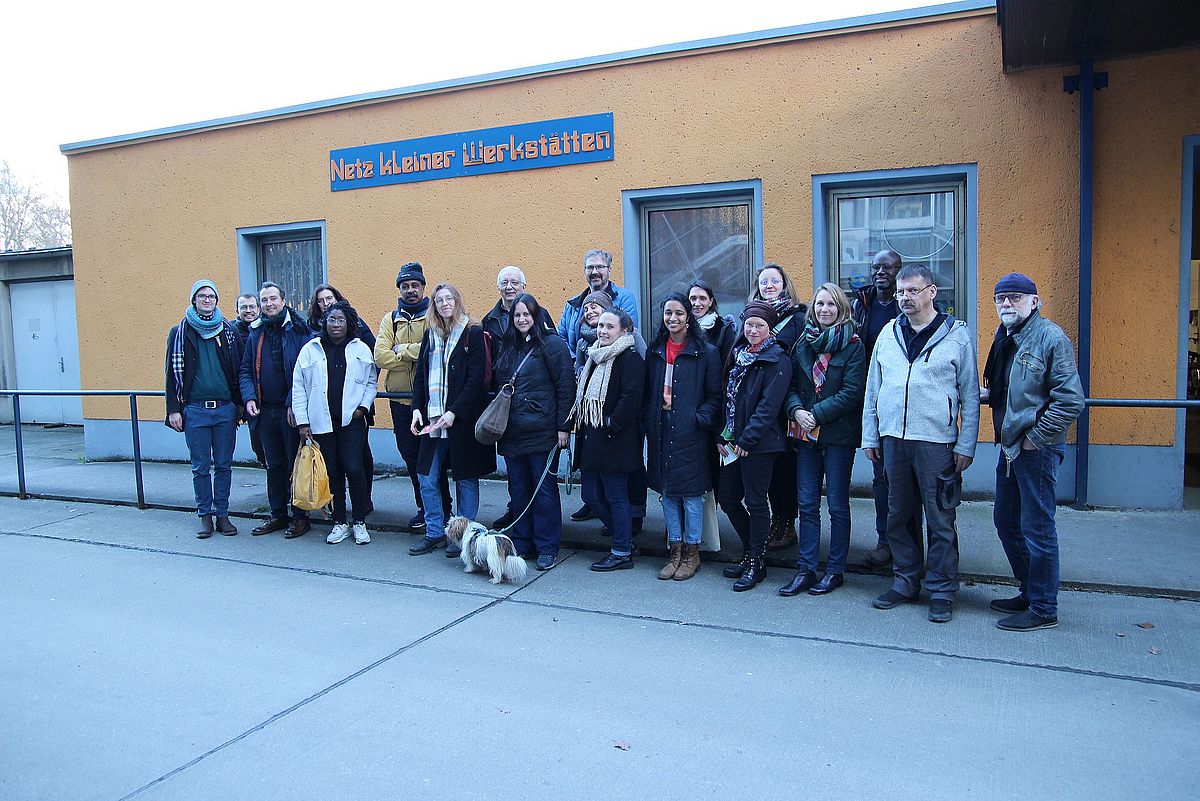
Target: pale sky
x=85, y=70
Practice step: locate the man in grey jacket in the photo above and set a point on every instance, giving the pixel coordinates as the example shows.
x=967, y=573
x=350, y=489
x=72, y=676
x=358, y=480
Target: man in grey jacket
x=1033, y=387
x=921, y=416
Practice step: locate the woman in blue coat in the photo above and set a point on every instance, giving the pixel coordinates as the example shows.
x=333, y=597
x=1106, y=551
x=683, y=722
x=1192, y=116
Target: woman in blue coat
x=680, y=410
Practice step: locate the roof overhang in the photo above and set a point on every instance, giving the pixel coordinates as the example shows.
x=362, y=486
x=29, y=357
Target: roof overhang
x=1042, y=33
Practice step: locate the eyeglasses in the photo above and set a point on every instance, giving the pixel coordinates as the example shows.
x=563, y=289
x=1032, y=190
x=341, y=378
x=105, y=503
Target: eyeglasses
x=1012, y=297
x=510, y=282
x=205, y=296
x=911, y=293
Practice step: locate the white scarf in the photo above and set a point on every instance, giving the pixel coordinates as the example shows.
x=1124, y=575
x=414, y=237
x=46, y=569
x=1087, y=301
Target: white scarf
x=708, y=320
x=593, y=382
x=439, y=358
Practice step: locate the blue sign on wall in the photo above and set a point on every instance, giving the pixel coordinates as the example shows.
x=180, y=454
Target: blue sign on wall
x=551, y=143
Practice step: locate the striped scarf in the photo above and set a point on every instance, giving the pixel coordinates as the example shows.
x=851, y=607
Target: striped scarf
x=439, y=359
x=177, y=357
x=825, y=342
x=743, y=356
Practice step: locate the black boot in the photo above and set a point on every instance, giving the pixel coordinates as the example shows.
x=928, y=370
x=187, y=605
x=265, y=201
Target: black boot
x=752, y=577
x=736, y=571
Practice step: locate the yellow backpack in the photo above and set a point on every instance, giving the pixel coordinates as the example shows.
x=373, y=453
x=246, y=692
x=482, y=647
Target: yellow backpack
x=310, y=478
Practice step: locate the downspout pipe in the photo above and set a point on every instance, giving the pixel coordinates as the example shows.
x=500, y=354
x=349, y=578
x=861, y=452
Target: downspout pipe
x=1086, y=83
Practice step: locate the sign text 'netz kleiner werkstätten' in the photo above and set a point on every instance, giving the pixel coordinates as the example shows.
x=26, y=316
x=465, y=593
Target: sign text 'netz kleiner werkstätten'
x=528, y=146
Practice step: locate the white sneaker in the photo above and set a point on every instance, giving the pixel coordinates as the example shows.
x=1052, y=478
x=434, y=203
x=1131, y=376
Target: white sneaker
x=339, y=533
x=361, y=537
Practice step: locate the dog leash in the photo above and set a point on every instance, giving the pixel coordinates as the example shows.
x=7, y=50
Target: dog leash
x=545, y=472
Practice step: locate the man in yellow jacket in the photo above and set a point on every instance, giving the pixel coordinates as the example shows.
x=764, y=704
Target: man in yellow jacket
x=397, y=346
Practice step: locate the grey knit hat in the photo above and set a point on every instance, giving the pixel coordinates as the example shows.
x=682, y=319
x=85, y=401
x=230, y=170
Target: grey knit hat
x=196, y=287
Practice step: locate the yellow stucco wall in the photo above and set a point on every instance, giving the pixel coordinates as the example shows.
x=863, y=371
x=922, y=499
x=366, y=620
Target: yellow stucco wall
x=151, y=217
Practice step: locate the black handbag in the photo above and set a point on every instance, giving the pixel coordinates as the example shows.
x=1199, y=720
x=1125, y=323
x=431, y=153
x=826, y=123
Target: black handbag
x=493, y=422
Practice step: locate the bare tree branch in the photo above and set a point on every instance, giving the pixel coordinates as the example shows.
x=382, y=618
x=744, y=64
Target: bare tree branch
x=28, y=219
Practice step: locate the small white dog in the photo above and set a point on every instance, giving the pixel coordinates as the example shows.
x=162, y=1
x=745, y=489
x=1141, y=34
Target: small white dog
x=482, y=548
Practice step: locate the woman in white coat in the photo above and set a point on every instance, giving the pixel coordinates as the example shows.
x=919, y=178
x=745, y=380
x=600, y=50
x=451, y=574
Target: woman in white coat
x=333, y=389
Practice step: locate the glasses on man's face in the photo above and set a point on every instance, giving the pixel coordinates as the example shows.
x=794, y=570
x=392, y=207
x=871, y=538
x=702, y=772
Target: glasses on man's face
x=205, y=296
x=1011, y=297
x=510, y=282
x=911, y=293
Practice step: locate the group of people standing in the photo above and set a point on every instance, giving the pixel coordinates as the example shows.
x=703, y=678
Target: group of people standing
x=760, y=413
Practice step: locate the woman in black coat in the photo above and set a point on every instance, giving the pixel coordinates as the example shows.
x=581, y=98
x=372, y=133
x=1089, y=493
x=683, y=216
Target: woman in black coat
x=829, y=380
x=680, y=409
x=759, y=376
x=775, y=287
x=720, y=332
x=448, y=395
x=538, y=366
x=608, y=437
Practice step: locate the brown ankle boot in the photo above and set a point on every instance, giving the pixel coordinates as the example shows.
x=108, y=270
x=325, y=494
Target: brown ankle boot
x=689, y=564
x=675, y=554
x=783, y=534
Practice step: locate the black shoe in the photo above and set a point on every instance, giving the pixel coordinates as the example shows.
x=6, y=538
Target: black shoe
x=890, y=600
x=503, y=521
x=754, y=574
x=426, y=545
x=1010, y=606
x=828, y=583
x=941, y=610
x=298, y=528
x=274, y=524
x=453, y=551
x=206, y=527
x=736, y=571
x=803, y=581
x=1026, y=621
x=583, y=513
x=416, y=524
x=545, y=561
x=612, y=562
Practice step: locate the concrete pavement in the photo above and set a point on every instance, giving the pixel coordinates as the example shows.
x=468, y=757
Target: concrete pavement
x=139, y=662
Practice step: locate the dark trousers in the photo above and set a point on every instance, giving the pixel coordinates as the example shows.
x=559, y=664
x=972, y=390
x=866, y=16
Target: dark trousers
x=343, y=453
x=749, y=479
x=410, y=447
x=368, y=461
x=540, y=528
x=1024, y=518
x=280, y=443
x=638, y=492
x=608, y=495
x=782, y=491
x=912, y=468
x=256, y=446
x=879, y=487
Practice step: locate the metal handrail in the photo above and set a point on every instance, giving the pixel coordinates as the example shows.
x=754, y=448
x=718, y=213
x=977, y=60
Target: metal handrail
x=134, y=394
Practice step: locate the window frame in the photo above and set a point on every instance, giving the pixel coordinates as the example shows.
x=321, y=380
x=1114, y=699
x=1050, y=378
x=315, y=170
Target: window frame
x=636, y=206
x=961, y=178
x=250, y=240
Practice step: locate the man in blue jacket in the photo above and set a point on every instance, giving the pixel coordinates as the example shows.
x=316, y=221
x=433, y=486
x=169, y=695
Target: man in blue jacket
x=597, y=269
x=274, y=343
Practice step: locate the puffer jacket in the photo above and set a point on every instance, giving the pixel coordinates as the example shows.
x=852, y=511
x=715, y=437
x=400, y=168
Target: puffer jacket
x=926, y=399
x=404, y=329
x=682, y=443
x=543, y=393
x=568, y=324
x=310, y=385
x=616, y=447
x=1044, y=392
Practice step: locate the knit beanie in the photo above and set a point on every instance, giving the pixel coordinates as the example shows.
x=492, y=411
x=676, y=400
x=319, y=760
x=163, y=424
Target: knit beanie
x=196, y=287
x=410, y=272
x=762, y=310
x=600, y=298
x=1016, y=282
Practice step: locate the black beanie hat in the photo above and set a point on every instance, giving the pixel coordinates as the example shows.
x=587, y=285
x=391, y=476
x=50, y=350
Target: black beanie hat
x=410, y=272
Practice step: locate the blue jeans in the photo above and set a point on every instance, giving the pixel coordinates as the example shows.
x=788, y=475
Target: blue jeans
x=540, y=528
x=608, y=495
x=211, y=435
x=832, y=463
x=685, y=519
x=466, y=490
x=1024, y=518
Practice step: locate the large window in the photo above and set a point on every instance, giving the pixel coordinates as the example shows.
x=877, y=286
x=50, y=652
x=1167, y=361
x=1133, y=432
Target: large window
x=291, y=255
x=926, y=215
x=684, y=233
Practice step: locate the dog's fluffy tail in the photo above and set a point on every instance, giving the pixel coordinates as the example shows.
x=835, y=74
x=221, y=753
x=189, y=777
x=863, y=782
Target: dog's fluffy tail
x=514, y=568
